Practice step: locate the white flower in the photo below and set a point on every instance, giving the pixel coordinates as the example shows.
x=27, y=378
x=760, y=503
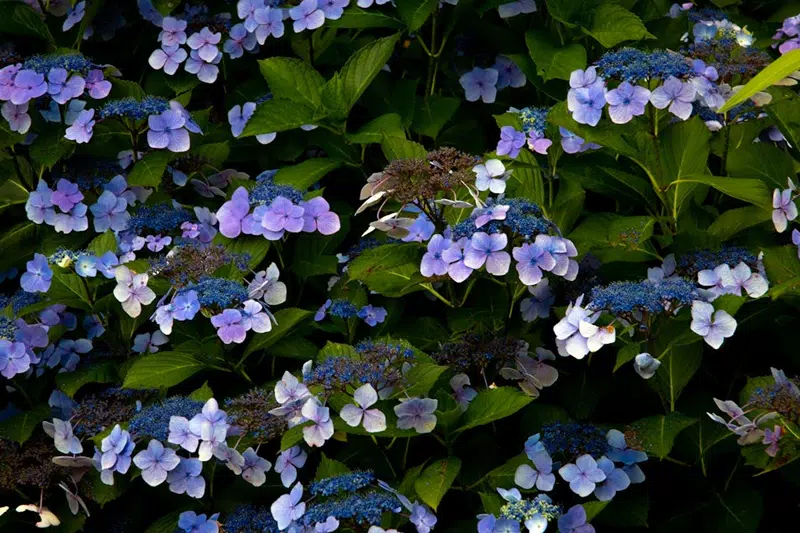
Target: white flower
x=132, y=291
x=491, y=176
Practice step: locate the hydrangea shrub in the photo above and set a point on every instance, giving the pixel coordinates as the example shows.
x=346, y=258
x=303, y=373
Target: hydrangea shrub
x=372, y=266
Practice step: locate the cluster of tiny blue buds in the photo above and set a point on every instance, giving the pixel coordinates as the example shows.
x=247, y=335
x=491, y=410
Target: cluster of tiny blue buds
x=217, y=292
x=384, y=350
x=153, y=420
x=632, y=65
x=343, y=309
x=266, y=190
x=523, y=218
x=132, y=108
x=362, y=508
x=70, y=62
x=250, y=519
x=534, y=119
x=7, y=328
x=349, y=482
x=361, y=246
x=693, y=262
x=705, y=14
x=158, y=217
x=573, y=439
x=622, y=297
x=523, y=510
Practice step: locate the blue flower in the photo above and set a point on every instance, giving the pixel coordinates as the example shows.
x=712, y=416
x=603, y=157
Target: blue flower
x=187, y=478
x=189, y=522
x=254, y=468
x=509, y=74
x=372, y=315
x=156, y=462
x=114, y=454
x=574, y=521
x=616, y=480
x=38, y=275
x=586, y=104
x=288, y=507
x=480, y=83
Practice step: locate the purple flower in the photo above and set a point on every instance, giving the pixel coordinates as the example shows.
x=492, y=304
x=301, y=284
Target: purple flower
x=233, y=212
x=74, y=16
x=38, y=275
x=374, y=420
x=169, y=58
x=156, y=243
x=93, y=326
x=189, y=522
x=541, y=476
x=783, y=209
x=254, y=468
x=583, y=475
x=238, y=117
x=454, y=255
x=62, y=90
x=17, y=116
x=488, y=249
x=372, y=315
x=572, y=144
x=205, y=43
x=239, y=41
x=317, y=216
x=675, y=94
x=333, y=9
x=532, y=259
x=254, y=317
x=186, y=478
x=27, y=85
x=173, y=32
x=288, y=462
x=322, y=428
x=462, y=392
x=97, y=85
x=207, y=71
x=433, y=264
x=82, y=129
x=288, y=507
x=574, y=521
x=269, y=22
x=283, y=215
x=422, y=517
x=538, y=142
x=586, y=104
x=416, y=413
x=14, y=358
x=75, y=220
x=714, y=329
x=511, y=141
x=420, y=230
x=484, y=215
x=581, y=79
x=66, y=195
x=509, y=74
x=772, y=437
x=229, y=326
x=491, y=176
x=167, y=131
x=156, y=462
x=480, y=83
x=147, y=343
x=626, y=101
x=246, y=10
x=39, y=206
x=110, y=212
x=307, y=16
x=182, y=435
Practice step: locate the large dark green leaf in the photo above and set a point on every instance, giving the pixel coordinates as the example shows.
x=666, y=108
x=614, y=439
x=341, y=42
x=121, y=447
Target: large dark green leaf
x=162, y=370
x=305, y=174
x=287, y=320
x=293, y=79
x=657, y=433
x=278, y=115
x=552, y=61
x=436, y=479
x=493, y=404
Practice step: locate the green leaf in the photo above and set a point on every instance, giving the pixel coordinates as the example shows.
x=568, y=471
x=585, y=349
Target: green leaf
x=69, y=289
x=421, y=377
x=20, y=19
x=783, y=270
x=343, y=90
x=657, y=433
x=399, y=148
x=330, y=468
x=18, y=243
x=735, y=511
x=278, y=115
x=335, y=349
x=613, y=24
x=125, y=89
x=772, y=73
x=762, y=161
x=391, y=269
x=593, y=509
x=213, y=155
x=51, y=147
x=552, y=61
x=293, y=79
x=356, y=18
x=203, y=394
x=305, y=174
x=292, y=436
x=733, y=221
x=21, y=426
x=626, y=354
x=147, y=172
x=388, y=125
x=287, y=320
x=70, y=382
x=436, y=479
x=103, y=243
x=165, y=524
x=415, y=12
x=748, y=190
x=493, y=404
x=161, y=370
x=256, y=247
x=433, y=114
x=678, y=365
x=306, y=267
x=12, y=192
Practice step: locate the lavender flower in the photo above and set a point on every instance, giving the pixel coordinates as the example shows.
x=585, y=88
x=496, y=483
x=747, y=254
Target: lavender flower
x=229, y=326
x=269, y=22
x=38, y=275
x=480, y=83
x=372, y=315
x=714, y=329
x=205, y=43
x=17, y=117
x=511, y=141
x=317, y=216
x=187, y=478
x=586, y=104
x=156, y=462
x=83, y=127
x=433, y=263
x=583, y=475
x=675, y=94
x=288, y=507
x=173, y=32
x=488, y=249
x=416, y=413
x=322, y=428
x=783, y=209
x=169, y=58
x=626, y=101
x=167, y=130
x=374, y=420
x=307, y=16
